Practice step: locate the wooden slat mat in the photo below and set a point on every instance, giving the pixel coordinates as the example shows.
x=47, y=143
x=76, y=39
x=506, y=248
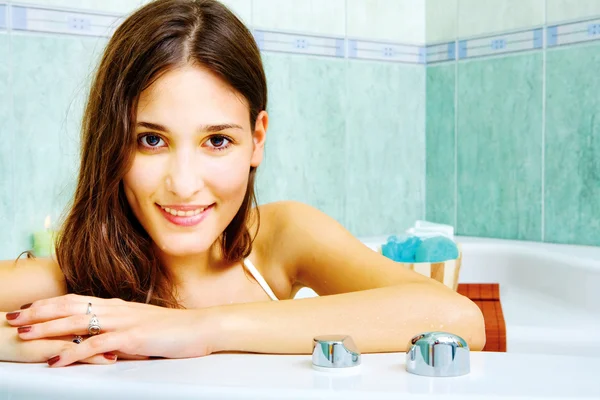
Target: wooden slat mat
x=487, y=298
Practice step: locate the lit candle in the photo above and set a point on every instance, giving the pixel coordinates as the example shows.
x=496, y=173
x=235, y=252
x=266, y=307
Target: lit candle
x=43, y=241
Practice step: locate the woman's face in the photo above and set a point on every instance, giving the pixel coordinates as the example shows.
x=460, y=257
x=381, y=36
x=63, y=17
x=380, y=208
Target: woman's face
x=194, y=151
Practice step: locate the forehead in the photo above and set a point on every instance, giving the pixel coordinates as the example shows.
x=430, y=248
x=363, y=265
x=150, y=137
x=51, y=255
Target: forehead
x=191, y=93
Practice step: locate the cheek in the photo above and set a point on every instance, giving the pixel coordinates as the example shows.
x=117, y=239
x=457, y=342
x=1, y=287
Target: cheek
x=142, y=179
x=228, y=176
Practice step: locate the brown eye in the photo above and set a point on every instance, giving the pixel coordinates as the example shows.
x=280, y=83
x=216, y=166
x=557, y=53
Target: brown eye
x=219, y=142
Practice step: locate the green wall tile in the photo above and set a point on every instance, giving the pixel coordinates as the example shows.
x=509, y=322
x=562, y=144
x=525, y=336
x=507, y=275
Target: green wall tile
x=499, y=147
x=50, y=76
x=385, y=158
x=304, y=157
x=572, y=158
x=440, y=127
x=6, y=155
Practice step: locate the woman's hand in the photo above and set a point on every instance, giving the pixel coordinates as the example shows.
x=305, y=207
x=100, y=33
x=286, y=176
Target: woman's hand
x=15, y=349
x=125, y=328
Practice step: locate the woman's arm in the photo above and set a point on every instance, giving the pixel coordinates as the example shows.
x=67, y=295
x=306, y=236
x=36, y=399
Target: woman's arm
x=379, y=320
x=27, y=280
x=377, y=301
x=381, y=304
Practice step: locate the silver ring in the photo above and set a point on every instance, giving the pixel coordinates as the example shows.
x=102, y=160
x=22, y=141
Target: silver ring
x=89, y=309
x=77, y=339
x=94, y=326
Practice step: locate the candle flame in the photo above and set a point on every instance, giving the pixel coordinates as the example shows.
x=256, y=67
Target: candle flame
x=47, y=222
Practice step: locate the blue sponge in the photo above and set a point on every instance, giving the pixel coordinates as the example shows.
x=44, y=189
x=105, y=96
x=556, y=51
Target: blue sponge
x=436, y=249
x=401, y=250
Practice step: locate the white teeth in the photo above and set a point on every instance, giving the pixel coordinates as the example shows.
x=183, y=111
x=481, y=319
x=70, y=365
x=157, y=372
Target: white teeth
x=176, y=213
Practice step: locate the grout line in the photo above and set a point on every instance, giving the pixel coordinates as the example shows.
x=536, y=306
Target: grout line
x=345, y=215
x=347, y=220
x=456, y=56
x=346, y=41
x=345, y=18
x=543, y=161
x=12, y=123
x=424, y=185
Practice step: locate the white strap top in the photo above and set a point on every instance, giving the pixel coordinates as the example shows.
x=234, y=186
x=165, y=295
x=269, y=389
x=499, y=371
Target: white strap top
x=261, y=281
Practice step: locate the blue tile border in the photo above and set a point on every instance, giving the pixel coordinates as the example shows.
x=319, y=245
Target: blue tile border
x=551, y=35
x=3, y=17
x=538, y=38
x=587, y=30
x=386, y=51
x=503, y=43
x=40, y=18
x=44, y=19
x=283, y=42
x=441, y=52
x=462, y=49
x=533, y=39
x=19, y=18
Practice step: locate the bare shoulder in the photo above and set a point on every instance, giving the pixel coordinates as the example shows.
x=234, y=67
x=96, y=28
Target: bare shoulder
x=27, y=280
x=320, y=253
x=269, y=250
x=285, y=213
x=279, y=218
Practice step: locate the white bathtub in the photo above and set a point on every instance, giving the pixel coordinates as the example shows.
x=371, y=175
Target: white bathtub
x=550, y=293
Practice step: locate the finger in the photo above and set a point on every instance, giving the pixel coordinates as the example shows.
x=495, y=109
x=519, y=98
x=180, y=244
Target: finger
x=39, y=351
x=50, y=312
x=99, y=344
x=74, y=298
x=131, y=357
x=67, y=298
x=77, y=325
x=101, y=359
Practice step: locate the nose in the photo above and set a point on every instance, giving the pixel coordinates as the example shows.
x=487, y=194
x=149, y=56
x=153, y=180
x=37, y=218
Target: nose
x=184, y=178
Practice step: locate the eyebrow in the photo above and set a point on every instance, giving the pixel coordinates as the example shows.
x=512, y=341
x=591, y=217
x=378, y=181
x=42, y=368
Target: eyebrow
x=202, y=128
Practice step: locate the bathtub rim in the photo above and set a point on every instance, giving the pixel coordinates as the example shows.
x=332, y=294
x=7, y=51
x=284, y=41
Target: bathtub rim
x=580, y=256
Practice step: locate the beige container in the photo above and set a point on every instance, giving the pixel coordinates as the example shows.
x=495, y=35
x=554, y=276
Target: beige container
x=446, y=272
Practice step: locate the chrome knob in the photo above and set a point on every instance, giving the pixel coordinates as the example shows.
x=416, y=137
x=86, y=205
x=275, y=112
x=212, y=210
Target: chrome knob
x=438, y=354
x=334, y=352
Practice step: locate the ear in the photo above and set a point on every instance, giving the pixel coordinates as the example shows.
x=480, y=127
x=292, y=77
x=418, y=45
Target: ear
x=259, y=137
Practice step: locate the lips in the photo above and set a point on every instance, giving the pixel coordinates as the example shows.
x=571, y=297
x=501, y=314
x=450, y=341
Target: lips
x=183, y=211
x=188, y=215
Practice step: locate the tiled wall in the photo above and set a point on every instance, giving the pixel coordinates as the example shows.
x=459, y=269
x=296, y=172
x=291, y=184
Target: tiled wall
x=347, y=106
x=513, y=118
x=507, y=101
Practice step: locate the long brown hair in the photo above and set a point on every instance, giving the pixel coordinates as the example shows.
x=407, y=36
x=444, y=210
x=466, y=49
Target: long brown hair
x=102, y=249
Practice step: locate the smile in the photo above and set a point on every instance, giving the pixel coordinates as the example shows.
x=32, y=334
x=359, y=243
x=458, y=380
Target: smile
x=185, y=215
x=181, y=213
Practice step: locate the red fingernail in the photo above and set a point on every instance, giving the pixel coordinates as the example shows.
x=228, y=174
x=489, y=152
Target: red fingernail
x=110, y=356
x=24, y=306
x=12, y=315
x=24, y=329
x=53, y=360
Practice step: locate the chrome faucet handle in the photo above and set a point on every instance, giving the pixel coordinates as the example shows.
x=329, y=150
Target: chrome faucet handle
x=438, y=354
x=335, y=353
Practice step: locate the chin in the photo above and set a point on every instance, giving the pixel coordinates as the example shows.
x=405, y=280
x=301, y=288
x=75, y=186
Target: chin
x=184, y=245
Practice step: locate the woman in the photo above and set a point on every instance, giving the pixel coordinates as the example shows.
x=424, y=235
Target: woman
x=163, y=252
